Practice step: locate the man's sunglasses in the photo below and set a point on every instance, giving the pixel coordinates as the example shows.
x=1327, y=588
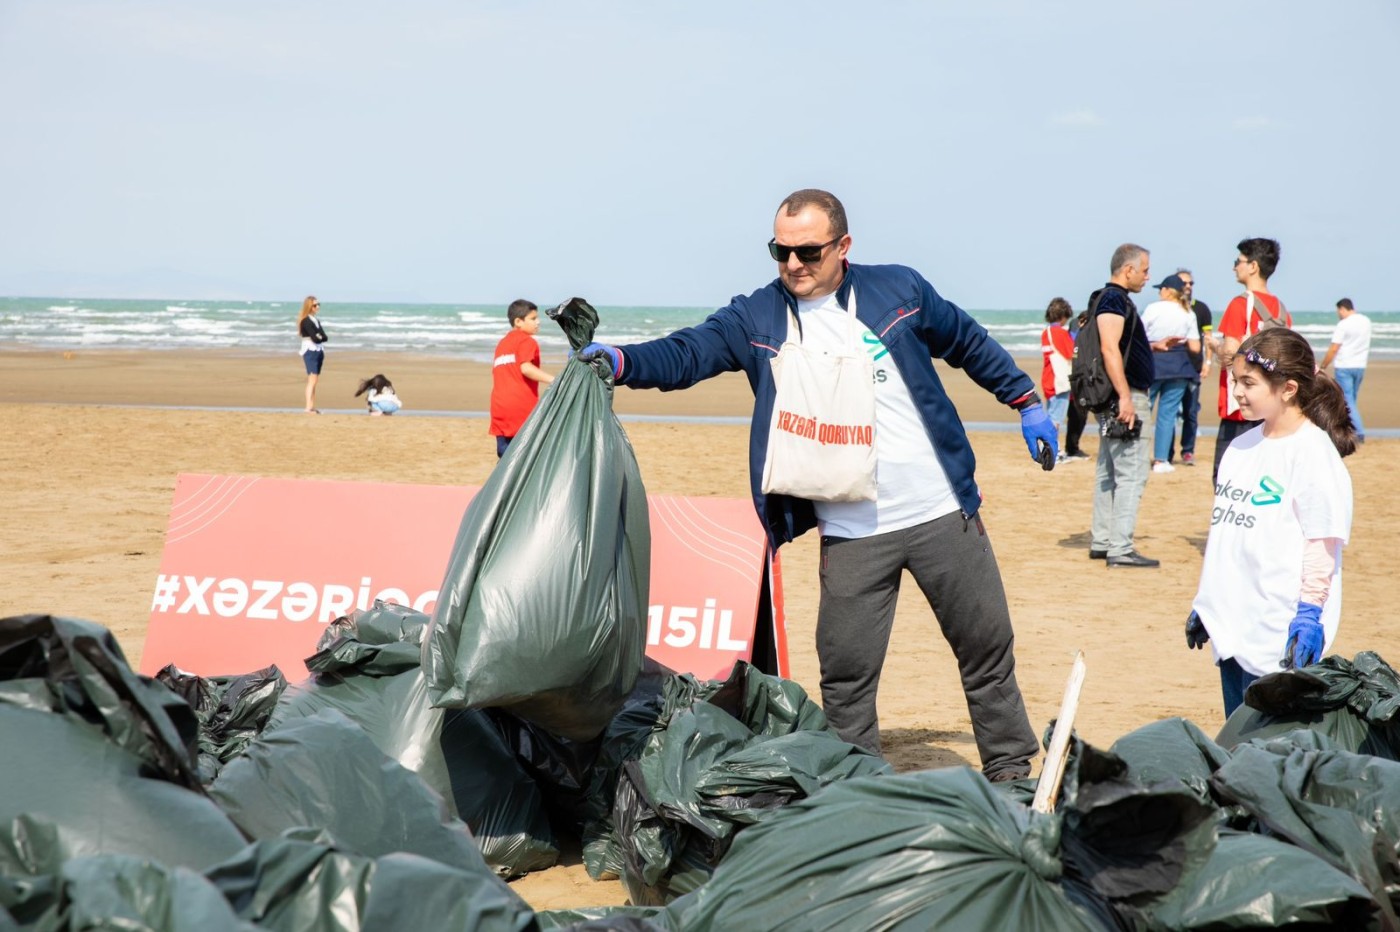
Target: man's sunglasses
x=805, y=254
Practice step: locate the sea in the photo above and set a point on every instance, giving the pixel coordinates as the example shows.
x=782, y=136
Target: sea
x=468, y=331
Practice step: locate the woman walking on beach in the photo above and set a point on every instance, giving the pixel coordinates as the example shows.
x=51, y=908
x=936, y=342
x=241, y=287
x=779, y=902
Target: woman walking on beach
x=313, y=353
x=1270, y=595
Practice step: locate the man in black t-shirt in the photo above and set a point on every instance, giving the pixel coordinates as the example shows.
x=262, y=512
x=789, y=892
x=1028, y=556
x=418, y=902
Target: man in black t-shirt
x=1191, y=402
x=1125, y=442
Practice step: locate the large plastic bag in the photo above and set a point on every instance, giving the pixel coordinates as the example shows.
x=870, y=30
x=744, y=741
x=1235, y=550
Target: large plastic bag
x=114, y=891
x=94, y=758
x=69, y=791
x=232, y=710
x=1254, y=881
x=305, y=884
x=721, y=756
x=76, y=668
x=1342, y=807
x=1355, y=703
x=460, y=754
x=324, y=773
x=938, y=849
x=1172, y=749
x=543, y=609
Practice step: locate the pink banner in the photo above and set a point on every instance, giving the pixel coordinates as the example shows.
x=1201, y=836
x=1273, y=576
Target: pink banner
x=253, y=569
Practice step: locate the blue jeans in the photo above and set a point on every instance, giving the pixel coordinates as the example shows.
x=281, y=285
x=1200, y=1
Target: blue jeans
x=1165, y=398
x=1056, y=407
x=1350, y=381
x=1234, y=680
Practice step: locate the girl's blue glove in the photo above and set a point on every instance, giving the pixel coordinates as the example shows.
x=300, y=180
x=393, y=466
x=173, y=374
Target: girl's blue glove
x=1304, y=637
x=1036, y=425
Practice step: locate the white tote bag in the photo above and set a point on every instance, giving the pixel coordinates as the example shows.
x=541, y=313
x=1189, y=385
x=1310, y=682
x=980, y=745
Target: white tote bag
x=821, y=441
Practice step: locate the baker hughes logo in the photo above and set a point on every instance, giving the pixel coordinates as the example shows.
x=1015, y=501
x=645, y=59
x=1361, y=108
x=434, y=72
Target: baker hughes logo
x=810, y=428
x=1233, y=511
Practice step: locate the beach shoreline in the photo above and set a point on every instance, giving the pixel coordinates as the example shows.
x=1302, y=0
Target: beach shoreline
x=443, y=384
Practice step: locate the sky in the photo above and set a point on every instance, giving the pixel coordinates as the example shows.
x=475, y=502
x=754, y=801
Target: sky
x=635, y=153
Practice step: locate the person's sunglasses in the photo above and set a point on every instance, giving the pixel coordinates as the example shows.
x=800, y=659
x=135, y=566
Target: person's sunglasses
x=1242, y=260
x=805, y=254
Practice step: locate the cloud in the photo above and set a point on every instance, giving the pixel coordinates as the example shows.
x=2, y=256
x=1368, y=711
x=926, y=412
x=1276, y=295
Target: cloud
x=1251, y=123
x=1076, y=118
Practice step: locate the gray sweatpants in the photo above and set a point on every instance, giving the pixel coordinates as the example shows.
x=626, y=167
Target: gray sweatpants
x=952, y=562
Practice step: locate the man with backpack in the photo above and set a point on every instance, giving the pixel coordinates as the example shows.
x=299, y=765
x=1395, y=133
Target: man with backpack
x=1111, y=374
x=1257, y=309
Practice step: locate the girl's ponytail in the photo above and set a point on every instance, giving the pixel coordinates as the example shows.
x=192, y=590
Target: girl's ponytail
x=1326, y=407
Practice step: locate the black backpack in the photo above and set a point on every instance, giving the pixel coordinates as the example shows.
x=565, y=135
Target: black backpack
x=1089, y=385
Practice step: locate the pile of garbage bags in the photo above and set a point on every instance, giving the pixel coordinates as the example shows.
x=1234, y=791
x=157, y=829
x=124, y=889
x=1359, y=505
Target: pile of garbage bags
x=351, y=801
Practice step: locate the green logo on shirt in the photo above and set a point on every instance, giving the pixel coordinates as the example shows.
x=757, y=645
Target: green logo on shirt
x=873, y=346
x=1271, y=494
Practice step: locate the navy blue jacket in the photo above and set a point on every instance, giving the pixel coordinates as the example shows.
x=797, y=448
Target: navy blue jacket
x=900, y=308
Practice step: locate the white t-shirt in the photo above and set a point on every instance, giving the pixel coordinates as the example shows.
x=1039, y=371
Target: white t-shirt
x=1353, y=335
x=1270, y=497
x=1162, y=319
x=911, y=485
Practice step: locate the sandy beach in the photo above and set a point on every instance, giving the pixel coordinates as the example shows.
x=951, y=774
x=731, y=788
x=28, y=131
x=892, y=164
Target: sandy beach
x=90, y=490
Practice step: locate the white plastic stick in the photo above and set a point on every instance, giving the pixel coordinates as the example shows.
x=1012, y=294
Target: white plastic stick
x=1053, y=773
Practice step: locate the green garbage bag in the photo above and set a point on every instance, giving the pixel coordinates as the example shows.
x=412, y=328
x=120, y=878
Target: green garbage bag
x=306, y=884
x=232, y=710
x=721, y=756
x=543, y=609
x=1341, y=807
x=96, y=759
x=1172, y=749
x=938, y=849
x=76, y=668
x=126, y=892
x=1356, y=703
x=324, y=773
x=1254, y=881
x=382, y=640
x=459, y=753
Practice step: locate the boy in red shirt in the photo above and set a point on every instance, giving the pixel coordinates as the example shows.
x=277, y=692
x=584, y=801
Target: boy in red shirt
x=1246, y=315
x=516, y=375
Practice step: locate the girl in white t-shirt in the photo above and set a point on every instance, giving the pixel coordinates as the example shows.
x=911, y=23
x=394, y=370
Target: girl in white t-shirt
x=1270, y=595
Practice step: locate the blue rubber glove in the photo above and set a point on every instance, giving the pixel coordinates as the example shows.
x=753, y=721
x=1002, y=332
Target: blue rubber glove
x=594, y=351
x=1196, y=633
x=1304, y=638
x=1036, y=425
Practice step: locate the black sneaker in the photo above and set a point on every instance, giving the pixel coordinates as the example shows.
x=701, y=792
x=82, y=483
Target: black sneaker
x=1098, y=554
x=1133, y=558
x=1009, y=776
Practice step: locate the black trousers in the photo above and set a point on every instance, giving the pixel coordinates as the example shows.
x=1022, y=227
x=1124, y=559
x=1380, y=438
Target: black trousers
x=952, y=562
x=1074, y=427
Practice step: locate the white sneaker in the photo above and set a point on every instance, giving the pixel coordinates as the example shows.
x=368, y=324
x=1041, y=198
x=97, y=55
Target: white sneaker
x=1163, y=466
